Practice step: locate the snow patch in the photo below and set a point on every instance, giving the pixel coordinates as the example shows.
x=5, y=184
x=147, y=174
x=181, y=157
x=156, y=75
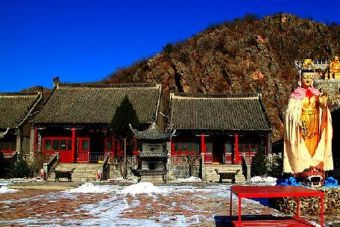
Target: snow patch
x=4, y=182
x=141, y=188
x=5, y=189
x=109, y=211
x=188, y=180
x=263, y=180
x=91, y=188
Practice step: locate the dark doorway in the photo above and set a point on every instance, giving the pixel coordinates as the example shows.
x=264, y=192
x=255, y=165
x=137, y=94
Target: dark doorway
x=218, y=150
x=97, y=147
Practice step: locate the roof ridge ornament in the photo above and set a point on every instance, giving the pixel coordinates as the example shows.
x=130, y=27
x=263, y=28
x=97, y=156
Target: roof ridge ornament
x=56, y=81
x=3, y=134
x=151, y=133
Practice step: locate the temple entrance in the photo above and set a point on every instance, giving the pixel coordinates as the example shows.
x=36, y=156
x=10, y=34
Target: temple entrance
x=97, y=147
x=218, y=150
x=83, y=149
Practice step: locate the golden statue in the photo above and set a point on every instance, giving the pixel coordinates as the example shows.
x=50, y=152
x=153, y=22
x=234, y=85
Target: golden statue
x=308, y=129
x=334, y=68
x=308, y=64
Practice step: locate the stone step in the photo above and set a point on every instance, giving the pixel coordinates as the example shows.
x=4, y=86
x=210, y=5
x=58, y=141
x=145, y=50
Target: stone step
x=81, y=173
x=74, y=179
x=212, y=176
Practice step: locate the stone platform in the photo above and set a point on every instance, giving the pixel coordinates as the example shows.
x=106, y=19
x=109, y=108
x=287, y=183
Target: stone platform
x=309, y=205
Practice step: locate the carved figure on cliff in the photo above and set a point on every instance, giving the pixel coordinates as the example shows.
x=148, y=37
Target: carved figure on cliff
x=308, y=129
x=334, y=68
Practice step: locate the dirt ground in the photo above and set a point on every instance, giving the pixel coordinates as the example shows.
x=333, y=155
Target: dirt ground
x=192, y=207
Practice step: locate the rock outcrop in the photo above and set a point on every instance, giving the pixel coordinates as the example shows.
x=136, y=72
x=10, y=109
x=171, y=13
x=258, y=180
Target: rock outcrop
x=242, y=56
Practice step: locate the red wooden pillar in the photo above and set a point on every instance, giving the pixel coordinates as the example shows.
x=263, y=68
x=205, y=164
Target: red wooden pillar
x=236, y=150
x=135, y=146
x=203, y=146
x=73, y=144
x=172, y=144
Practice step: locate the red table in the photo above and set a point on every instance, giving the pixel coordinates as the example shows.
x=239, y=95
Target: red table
x=252, y=192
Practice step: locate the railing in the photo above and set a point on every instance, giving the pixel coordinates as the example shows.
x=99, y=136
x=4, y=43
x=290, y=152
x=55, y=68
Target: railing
x=83, y=156
x=228, y=158
x=95, y=157
x=184, y=153
x=51, y=164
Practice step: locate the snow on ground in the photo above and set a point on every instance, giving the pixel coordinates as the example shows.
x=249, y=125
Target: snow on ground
x=142, y=204
x=187, y=180
x=20, y=180
x=109, y=211
x=91, y=188
x=263, y=180
x=119, y=201
x=5, y=189
x=141, y=188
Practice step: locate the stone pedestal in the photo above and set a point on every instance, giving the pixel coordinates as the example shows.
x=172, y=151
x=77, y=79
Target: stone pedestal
x=156, y=179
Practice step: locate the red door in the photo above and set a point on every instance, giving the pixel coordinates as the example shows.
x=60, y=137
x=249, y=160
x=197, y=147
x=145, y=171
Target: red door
x=83, y=149
x=228, y=153
x=63, y=145
x=65, y=149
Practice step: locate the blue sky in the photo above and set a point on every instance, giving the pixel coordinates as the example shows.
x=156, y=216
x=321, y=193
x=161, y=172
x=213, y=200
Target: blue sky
x=86, y=40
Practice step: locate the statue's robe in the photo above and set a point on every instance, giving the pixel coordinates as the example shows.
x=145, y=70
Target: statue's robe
x=297, y=157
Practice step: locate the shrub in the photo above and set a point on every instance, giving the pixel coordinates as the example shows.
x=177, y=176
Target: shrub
x=277, y=168
x=184, y=57
x=168, y=48
x=20, y=169
x=38, y=163
x=259, y=164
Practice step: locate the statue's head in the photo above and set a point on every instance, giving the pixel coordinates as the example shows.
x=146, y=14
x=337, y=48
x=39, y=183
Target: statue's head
x=307, y=78
x=307, y=73
x=336, y=58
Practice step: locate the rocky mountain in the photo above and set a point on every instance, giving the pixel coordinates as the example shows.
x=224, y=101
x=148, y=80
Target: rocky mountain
x=242, y=56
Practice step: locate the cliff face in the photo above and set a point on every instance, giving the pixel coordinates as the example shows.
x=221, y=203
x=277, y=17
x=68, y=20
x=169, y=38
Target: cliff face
x=242, y=56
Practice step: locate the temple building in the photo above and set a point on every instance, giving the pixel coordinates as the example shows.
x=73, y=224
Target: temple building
x=218, y=128
x=206, y=134
x=16, y=110
x=76, y=119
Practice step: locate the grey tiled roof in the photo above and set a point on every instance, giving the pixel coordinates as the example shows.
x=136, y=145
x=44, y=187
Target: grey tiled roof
x=97, y=103
x=152, y=133
x=14, y=108
x=218, y=112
